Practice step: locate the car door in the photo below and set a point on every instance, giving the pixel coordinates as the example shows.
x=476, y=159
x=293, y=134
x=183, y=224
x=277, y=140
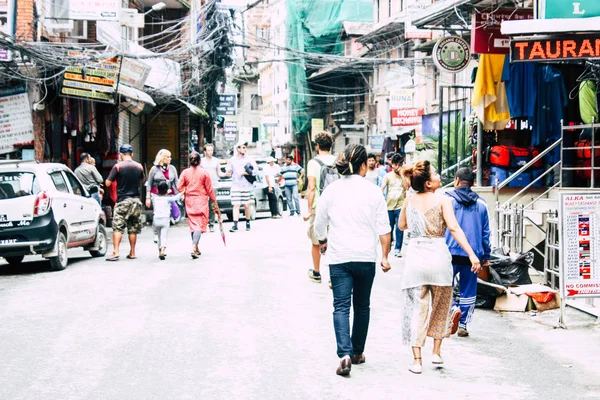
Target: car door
x=260, y=195
x=61, y=198
x=83, y=209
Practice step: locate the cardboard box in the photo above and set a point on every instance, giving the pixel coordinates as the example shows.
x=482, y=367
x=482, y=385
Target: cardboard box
x=518, y=301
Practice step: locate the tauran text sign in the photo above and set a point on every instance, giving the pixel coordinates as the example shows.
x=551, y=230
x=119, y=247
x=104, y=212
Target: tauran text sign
x=571, y=47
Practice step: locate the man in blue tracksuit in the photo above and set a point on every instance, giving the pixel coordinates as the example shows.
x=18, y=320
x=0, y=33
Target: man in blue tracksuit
x=472, y=216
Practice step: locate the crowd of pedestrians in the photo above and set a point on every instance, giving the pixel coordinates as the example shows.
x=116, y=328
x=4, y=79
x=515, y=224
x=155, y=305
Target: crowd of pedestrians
x=354, y=208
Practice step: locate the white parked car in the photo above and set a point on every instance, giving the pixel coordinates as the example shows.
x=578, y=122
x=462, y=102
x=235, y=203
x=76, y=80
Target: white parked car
x=45, y=210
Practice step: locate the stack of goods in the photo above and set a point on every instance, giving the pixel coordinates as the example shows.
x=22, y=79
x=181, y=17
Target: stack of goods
x=506, y=160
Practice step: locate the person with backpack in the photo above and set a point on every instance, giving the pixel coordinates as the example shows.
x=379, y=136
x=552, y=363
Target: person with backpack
x=320, y=172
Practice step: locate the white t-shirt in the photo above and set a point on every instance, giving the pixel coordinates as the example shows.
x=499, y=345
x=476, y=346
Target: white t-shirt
x=211, y=166
x=352, y=215
x=271, y=172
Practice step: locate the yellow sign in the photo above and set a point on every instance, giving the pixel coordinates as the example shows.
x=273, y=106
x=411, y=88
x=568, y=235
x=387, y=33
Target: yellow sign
x=86, y=94
x=317, y=126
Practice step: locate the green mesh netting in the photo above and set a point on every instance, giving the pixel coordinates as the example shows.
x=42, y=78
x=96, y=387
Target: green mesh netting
x=314, y=26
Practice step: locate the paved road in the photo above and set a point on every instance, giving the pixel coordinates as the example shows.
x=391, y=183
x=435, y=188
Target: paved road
x=244, y=322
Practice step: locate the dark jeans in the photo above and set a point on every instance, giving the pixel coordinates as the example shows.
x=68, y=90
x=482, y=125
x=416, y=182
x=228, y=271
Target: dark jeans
x=293, y=198
x=272, y=202
x=351, y=283
x=394, y=215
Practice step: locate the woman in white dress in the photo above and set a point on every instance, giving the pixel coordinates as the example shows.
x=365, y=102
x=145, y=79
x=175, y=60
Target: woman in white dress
x=427, y=282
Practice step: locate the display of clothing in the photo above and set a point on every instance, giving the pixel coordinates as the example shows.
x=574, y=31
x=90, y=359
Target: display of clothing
x=588, y=103
x=521, y=91
x=551, y=99
x=489, y=94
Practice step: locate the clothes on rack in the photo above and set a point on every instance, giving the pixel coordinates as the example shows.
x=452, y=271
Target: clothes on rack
x=489, y=94
x=551, y=99
x=521, y=91
x=588, y=103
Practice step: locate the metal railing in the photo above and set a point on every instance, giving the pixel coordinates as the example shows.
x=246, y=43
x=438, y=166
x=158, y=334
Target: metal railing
x=455, y=166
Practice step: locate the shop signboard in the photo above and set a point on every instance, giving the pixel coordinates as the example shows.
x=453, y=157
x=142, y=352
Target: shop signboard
x=230, y=130
x=486, y=37
x=134, y=73
x=227, y=105
x=401, y=98
x=451, y=54
x=569, y=8
x=16, y=123
x=573, y=47
x=93, y=10
x=96, y=82
x=579, y=226
x=317, y=125
x=407, y=116
x=413, y=7
x=376, y=142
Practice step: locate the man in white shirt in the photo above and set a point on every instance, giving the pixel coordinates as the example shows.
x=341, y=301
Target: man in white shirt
x=372, y=173
x=351, y=220
x=270, y=171
x=213, y=166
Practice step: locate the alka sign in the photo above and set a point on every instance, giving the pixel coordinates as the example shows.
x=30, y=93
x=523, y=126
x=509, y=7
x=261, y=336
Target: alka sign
x=574, y=47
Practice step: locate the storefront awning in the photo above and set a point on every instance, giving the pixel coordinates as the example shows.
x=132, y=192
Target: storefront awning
x=135, y=94
x=550, y=26
x=195, y=109
x=447, y=13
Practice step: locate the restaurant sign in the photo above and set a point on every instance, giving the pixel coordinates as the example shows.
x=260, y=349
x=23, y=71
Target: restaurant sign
x=573, y=47
x=569, y=8
x=486, y=37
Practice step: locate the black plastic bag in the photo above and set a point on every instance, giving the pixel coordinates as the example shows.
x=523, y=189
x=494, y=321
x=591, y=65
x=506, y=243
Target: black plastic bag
x=513, y=272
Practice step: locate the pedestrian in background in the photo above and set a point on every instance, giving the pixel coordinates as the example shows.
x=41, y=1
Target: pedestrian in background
x=213, y=166
x=196, y=185
x=472, y=215
x=372, y=173
x=162, y=171
x=394, y=187
x=427, y=282
x=161, y=218
x=351, y=220
x=270, y=171
x=385, y=167
x=317, y=168
x=89, y=177
x=129, y=176
x=291, y=172
x=243, y=171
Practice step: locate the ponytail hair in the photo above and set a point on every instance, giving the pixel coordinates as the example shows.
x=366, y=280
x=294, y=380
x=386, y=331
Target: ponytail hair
x=351, y=159
x=195, y=159
x=418, y=174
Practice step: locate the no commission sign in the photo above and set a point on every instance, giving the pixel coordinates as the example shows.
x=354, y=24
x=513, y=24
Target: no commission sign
x=407, y=116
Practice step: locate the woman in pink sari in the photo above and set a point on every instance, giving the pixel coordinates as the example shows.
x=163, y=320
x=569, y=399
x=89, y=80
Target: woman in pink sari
x=195, y=183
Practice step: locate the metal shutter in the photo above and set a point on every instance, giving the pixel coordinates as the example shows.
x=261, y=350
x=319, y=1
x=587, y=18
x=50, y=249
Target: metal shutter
x=135, y=136
x=123, y=127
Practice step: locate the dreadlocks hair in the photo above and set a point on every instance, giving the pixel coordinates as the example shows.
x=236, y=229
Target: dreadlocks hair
x=351, y=159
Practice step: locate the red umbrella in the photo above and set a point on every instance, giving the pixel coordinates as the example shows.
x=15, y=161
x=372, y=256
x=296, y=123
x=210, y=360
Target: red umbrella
x=222, y=231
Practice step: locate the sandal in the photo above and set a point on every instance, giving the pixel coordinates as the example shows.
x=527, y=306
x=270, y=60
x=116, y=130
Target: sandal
x=113, y=258
x=130, y=258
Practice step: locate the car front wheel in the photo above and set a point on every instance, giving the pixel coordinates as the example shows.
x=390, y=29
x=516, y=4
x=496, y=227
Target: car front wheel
x=59, y=262
x=14, y=261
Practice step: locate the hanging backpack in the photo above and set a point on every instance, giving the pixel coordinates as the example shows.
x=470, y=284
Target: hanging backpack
x=328, y=175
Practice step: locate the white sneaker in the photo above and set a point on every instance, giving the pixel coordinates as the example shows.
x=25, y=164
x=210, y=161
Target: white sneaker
x=416, y=368
x=397, y=253
x=155, y=238
x=438, y=360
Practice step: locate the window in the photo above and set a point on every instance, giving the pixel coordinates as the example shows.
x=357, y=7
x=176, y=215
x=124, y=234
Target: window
x=256, y=102
x=80, y=30
x=389, y=8
x=16, y=184
x=262, y=33
x=59, y=182
x=75, y=185
x=361, y=103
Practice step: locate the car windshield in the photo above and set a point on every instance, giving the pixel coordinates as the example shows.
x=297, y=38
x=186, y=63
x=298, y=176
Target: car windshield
x=17, y=184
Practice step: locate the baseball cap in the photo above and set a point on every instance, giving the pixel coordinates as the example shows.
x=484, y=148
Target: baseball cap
x=125, y=148
x=270, y=159
x=240, y=144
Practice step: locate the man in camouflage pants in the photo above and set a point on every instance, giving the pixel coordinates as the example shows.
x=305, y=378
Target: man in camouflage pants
x=129, y=176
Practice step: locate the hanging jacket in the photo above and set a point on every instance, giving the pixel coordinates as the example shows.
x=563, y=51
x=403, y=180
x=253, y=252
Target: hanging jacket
x=472, y=216
x=489, y=93
x=588, y=104
x=549, y=111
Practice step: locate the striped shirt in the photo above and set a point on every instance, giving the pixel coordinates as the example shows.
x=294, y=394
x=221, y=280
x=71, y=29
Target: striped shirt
x=290, y=173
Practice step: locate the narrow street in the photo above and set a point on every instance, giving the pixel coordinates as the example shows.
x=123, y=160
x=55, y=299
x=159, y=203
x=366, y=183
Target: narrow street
x=244, y=322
